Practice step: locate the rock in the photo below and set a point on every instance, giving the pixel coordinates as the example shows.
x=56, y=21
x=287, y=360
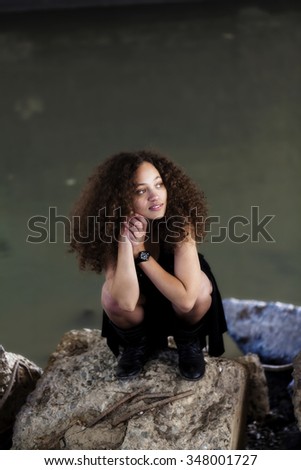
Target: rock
x=297, y=388
x=269, y=329
x=258, y=391
x=79, y=385
x=18, y=377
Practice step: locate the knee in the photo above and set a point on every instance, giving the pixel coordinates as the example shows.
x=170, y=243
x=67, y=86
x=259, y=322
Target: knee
x=112, y=306
x=204, y=303
x=121, y=317
x=204, y=299
x=109, y=304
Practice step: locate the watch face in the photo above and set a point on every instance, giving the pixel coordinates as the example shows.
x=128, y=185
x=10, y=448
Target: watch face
x=144, y=255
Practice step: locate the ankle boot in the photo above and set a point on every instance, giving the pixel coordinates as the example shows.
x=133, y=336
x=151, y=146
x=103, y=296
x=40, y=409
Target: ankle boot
x=135, y=351
x=191, y=358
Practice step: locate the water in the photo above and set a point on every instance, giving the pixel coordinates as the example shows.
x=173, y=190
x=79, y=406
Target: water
x=216, y=89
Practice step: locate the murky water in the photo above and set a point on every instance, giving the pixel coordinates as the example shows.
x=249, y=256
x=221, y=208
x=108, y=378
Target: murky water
x=218, y=91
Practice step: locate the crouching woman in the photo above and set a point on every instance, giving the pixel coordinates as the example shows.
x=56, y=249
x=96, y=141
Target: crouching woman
x=139, y=220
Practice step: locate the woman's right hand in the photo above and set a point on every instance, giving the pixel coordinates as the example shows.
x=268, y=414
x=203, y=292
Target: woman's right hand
x=134, y=230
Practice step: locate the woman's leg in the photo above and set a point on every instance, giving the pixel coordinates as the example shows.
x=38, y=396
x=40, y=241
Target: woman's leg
x=121, y=318
x=201, y=306
x=129, y=326
x=187, y=334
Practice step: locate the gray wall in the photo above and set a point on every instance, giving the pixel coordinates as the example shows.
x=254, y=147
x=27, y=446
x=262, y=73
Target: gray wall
x=216, y=89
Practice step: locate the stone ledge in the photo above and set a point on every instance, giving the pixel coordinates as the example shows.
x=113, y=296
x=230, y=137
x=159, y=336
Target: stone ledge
x=79, y=384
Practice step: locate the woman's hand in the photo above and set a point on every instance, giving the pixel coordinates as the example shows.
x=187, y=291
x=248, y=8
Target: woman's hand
x=136, y=229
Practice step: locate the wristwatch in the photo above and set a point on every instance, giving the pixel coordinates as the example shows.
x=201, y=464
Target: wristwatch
x=142, y=256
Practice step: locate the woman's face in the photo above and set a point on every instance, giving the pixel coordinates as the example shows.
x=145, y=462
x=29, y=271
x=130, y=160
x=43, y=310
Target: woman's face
x=150, y=195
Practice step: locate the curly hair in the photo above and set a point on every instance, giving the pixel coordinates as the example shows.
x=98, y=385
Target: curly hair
x=107, y=199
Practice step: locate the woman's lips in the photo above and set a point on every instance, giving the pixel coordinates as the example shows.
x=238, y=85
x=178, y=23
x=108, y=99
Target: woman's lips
x=156, y=207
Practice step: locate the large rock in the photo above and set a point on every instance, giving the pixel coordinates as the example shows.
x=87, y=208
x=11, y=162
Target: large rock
x=258, y=392
x=18, y=377
x=297, y=388
x=79, y=386
x=269, y=329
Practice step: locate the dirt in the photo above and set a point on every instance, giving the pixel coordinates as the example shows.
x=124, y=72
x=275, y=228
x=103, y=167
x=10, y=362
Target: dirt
x=279, y=430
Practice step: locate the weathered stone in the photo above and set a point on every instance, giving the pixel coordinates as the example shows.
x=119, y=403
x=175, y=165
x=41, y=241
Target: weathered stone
x=258, y=392
x=297, y=388
x=269, y=329
x=79, y=385
x=18, y=377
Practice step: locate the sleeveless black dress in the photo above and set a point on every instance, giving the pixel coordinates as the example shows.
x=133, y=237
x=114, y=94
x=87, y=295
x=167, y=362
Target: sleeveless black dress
x=160, y=316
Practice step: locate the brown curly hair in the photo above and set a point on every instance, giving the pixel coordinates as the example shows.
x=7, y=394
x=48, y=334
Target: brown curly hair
x=107, y=199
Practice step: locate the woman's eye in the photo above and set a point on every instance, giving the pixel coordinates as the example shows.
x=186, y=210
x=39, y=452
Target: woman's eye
x=158, y=185
x=140, y=191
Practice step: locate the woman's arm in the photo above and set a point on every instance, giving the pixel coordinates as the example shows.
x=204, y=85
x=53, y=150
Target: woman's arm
x=122, y=282
x=188, y=281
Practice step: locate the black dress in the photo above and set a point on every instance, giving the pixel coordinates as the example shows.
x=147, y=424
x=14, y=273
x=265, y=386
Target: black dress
x=160, y=316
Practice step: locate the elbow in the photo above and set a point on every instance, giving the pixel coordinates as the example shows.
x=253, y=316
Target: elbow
x=117, y=304
x=188, y=306
x=202, y=303
x=185, y=306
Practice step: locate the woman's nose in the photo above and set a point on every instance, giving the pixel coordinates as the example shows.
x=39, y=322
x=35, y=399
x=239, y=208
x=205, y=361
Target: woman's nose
x=153, y=196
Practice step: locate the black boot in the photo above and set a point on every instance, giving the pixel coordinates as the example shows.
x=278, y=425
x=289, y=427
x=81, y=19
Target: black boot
x=191, y=358
x=135, y=351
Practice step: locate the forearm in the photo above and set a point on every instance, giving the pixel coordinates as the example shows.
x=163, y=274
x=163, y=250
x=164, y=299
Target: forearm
x=169, y=285
x=124, y=285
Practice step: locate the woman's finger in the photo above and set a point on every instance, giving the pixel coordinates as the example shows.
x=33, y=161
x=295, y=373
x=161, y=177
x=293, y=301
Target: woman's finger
x=134, y=222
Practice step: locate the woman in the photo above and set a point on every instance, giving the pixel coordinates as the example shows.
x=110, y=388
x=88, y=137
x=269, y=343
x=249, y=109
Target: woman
x=139, y=219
